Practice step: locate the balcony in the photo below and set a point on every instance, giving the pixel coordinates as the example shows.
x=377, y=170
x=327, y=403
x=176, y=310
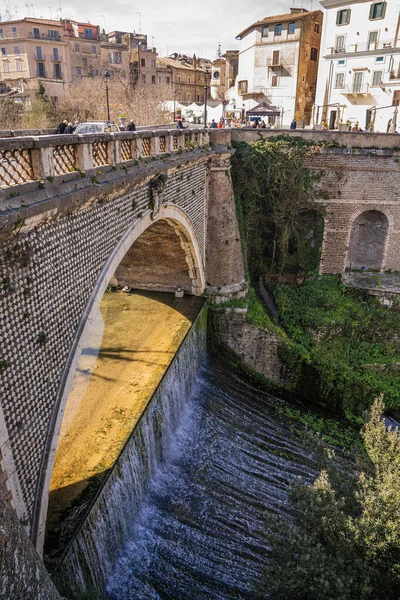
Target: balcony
x=44, y=36
x=356, y=90
x=56, y=59
x=40, y=57
x=373, y=47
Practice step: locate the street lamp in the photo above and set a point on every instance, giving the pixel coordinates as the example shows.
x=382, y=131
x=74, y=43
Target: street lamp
x=174, y=106
x=107, y=77
x=206, y=75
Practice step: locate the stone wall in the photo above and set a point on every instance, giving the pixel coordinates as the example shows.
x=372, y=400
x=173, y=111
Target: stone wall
x=22, y=574
x=255, y=347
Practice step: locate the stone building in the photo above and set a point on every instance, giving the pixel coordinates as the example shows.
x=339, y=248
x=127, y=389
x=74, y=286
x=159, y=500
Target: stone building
x=359, y=70
x=185, y=75
x=224, y=71
x=278, y=63
x=83, y=41
x=33, y=52
x=115, y=54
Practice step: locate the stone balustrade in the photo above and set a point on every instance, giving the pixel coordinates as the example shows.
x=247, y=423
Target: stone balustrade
x=27, y=159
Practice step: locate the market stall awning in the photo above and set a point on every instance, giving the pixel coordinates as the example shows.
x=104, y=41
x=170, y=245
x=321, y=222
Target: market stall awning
x=263, y=110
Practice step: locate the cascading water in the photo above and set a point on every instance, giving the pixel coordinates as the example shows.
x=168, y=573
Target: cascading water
x=192, y=526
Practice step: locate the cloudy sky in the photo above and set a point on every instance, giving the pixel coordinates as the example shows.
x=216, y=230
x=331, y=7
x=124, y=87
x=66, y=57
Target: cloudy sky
x=188, y=27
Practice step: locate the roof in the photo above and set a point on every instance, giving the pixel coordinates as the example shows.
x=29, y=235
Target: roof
x=278, y=19
x=51, y=22
x=164, y=61
x=263, y=109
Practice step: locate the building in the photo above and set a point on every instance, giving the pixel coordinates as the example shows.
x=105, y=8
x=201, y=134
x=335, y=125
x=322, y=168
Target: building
x=116, y=55
x=359, y=70
x=278, y=64
x=33, y=52
x=224, y=72
x=186, y=76
x=83, y=41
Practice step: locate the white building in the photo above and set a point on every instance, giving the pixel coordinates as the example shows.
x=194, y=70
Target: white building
x=278, y=63
x=359, y=68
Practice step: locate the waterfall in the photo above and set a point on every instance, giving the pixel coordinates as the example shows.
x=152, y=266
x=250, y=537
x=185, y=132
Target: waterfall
x=88, y=563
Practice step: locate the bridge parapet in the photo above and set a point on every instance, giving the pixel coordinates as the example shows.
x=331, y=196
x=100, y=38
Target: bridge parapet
x=29, y=159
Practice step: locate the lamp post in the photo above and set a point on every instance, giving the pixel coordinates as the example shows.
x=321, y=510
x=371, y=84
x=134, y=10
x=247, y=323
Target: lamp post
x=107, y=77
x=174, y=106
x=206, y=74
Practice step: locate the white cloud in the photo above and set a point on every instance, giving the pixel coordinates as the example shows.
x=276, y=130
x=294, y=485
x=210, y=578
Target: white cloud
x=188, y=27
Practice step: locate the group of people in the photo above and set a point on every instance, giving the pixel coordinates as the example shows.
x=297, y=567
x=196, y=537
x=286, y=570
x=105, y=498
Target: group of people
x=66, y=127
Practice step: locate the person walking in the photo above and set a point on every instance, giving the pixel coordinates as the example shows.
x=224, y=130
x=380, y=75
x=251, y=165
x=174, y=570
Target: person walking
x=131, y=126
x=213, y=125
x=69, y=129
x=62, y=127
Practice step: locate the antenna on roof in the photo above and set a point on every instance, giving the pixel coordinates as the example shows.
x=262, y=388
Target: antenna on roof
x=140, y=21
x=51, y=14
x=16, y=11
x=219, y=52
x=27, y=8
x=33, y=10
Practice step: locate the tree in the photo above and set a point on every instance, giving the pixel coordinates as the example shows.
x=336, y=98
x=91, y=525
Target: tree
x=343, y=542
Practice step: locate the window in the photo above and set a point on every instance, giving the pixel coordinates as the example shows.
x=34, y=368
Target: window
x=153, y=64
x=19, y=65
x=278, y=29
x=189, y=97
x=291, y=28
x=77, y=48
x=78, y=71
x=143, y=78
x=243, y=87
x=179, y=79
x=265, y=31
x=343, y=17
x=40, y=70
x=160, y=80
x=314, y=54
x=95, y=72
x=36, y=33
x=14, y=32
x=377, y=10
x=3, y=52
x=396, y=98
x=53, y=34
x=39, y=55
x=55, y=54
x=377, y=77
x=1, y=34
x=380, y=59
x=16, y=50
x=168, y=80
x=153, y=79
x=339, y=81
x=88, y=34
x=94, y=50
x=57, y=71
x=198, y=98
x=341, y=63
x=143, y=62
x=316, y=28
x=373, y=40
x=275, y=57
x=274, y=80
x=340, y=43
x=6, y=67
x=189, y=80
x=358, y=81
x=114, y=58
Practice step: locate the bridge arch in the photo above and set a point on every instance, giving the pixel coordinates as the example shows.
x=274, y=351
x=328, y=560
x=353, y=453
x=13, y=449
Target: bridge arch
x=369, y=233
x=177, y=234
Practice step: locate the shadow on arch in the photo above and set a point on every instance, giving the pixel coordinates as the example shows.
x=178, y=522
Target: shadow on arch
x=157, y=255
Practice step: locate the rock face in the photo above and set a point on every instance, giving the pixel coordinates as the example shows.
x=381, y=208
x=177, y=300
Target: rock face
x=22, y=574
x=255, y=347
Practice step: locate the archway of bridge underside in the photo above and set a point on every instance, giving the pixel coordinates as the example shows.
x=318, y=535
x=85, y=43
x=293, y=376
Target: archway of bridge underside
x=161, y=259
x=123, y=346
x=368, y=239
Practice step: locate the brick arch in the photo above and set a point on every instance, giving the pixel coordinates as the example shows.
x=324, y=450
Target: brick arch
x=173, y=221
x=369, y=233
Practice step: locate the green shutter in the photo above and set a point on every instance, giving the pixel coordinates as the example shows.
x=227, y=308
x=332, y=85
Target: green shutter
x=348, y=16
x=371, y=11
x=338, y=17
x=383, y=10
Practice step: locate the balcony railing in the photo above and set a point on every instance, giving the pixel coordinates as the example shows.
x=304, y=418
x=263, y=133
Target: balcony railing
x=40, y=57
x=44, y=36
x=356, y=90
x=364, y=47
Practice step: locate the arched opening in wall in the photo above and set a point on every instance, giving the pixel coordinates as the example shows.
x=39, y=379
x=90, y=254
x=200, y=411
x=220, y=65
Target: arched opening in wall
x=129, y=339
x=305, y=243
x=368, y=238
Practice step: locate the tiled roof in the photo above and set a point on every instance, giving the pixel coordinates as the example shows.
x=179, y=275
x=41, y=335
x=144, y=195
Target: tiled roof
x=43, y=21
x=163, y=61
x=278, y=19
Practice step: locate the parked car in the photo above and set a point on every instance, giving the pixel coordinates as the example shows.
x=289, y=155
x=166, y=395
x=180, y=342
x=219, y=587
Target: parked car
x=97, y=127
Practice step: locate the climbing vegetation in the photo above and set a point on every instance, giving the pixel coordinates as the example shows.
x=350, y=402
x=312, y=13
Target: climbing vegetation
x=343, y=540
x=279, y=214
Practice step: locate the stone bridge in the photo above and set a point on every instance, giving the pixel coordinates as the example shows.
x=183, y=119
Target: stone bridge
x=153, y=210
